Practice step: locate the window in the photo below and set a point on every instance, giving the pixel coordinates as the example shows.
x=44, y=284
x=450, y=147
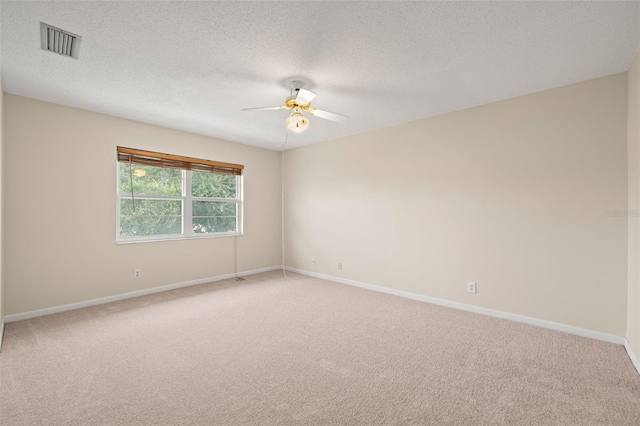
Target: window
x=162, y=196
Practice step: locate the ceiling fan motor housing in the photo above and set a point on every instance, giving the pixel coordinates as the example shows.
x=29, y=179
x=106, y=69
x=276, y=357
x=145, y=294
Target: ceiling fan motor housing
x=292, y=103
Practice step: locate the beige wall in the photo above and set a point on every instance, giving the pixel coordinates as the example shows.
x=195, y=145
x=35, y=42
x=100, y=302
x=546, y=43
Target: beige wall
x=59, y=218
x=511, y=195
x=633, y=129
x=1, y=208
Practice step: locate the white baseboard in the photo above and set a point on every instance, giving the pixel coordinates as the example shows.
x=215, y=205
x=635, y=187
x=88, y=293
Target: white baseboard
x=442, y=302
x=611, y=338
x=1, y=332
x=100, y=301
x=634, y=358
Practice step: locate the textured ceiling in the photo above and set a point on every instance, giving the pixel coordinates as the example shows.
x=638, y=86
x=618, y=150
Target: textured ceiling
x=193, y=65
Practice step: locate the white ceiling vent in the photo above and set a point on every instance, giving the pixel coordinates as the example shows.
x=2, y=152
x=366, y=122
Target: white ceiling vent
x=59, y=41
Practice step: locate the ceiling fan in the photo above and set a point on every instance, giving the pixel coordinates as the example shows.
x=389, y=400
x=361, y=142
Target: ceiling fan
x=299, y=101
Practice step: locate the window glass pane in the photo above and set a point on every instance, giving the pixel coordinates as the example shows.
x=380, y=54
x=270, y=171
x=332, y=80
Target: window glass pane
x=211, y=185
x=132, y=226
x=149, y=180
x=144, y=207
x=159, y=204
x=207, y=225
x=150, y=217
x=213, y=208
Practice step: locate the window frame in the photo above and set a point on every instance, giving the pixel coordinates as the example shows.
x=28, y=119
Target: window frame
x=187, y=211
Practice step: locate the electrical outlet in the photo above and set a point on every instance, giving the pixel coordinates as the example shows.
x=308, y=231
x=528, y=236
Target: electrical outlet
x=313, y=259
x=137, y=273
x=339, y=266
x=471, y=287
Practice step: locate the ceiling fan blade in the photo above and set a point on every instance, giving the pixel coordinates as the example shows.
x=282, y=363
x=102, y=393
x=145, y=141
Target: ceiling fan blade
x=264, y=108
x=304, y=96
x=328, y=115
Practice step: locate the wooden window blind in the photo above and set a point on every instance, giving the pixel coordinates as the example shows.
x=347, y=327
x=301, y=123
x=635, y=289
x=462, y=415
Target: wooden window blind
x=158, y=159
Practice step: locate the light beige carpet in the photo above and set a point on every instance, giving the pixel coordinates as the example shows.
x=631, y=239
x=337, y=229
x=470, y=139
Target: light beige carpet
x=272, y=351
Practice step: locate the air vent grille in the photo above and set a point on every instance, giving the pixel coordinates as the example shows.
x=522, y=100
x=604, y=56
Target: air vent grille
x=59, y=41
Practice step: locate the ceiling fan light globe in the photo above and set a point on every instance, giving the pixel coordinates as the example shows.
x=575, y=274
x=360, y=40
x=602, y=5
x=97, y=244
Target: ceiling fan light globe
x=297, y=122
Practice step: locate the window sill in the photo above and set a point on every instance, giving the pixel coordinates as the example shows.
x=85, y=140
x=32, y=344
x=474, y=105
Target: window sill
x=176, y=238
